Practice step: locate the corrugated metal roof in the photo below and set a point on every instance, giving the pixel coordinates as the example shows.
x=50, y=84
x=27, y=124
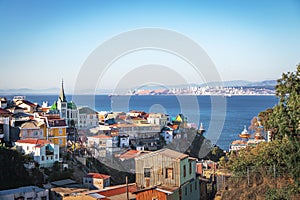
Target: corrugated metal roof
x=165, y=152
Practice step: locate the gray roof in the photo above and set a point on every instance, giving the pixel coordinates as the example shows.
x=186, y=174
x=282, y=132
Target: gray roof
x=63, y=182
x=21, y=189
x=86, y=110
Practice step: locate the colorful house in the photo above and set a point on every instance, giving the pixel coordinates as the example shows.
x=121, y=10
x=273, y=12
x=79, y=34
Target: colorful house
x=44, y=152
x=55, y=130
x=166, y=174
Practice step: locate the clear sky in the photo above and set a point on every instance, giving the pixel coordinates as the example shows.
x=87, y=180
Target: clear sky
x=43, y=41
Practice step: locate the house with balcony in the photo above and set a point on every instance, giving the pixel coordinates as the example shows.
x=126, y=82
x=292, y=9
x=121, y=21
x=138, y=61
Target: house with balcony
x=166, y=174
x=43, y=152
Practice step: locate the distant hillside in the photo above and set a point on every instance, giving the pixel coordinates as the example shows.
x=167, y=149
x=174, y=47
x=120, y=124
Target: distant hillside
x=242, y=83
x=28, y=91
x=269, y=84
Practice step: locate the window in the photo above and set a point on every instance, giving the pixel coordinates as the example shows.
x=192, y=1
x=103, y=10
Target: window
x=185, y=191
x=56, y=156
x=184, y=171
x=190, y=167
x=60, y=141
x=196, y=185
x=60, y=131
x=169, y=173
x=51, y=158
x=191, y=188
x=43, y=157
x=147, y=172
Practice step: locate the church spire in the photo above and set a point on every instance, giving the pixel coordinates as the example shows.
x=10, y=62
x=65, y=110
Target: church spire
x=62, y=96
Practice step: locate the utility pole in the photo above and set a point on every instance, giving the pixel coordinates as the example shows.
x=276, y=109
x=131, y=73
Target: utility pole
x=127, y=192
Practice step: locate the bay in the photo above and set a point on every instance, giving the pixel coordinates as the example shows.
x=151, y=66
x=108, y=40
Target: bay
x=239, y=109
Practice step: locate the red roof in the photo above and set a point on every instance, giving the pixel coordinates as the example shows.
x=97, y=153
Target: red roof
x=118, y=190
x=102, y=136
x=131, y=154
x=34, y=141
x=5, y=112
x=96, y=175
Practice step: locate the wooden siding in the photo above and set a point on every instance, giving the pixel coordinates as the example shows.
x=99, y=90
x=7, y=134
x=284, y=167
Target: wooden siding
x=158, y=164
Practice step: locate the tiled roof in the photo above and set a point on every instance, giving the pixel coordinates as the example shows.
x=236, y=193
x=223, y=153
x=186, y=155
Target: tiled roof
x=30, y=124
x=34, y=141
x=101, y=136
x=96, y=175
x=132, y=154
x=117, y=190
x=5, y=112
x=26, y=102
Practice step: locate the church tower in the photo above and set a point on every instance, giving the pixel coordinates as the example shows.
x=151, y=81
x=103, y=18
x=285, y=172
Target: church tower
x=62, y=102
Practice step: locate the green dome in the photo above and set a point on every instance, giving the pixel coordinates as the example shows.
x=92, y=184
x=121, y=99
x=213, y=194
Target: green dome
x=54, y=106
x=72, y=105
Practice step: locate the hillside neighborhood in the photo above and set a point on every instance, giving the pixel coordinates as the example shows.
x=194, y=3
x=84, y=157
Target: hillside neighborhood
x=63, y=137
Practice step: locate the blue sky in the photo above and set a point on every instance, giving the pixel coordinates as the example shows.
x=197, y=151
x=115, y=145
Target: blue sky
x=42, y=42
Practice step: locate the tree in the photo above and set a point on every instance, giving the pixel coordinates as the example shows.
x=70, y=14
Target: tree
x=12, y=171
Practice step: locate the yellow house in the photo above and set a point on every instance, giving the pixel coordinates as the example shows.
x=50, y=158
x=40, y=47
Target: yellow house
x=55, y=130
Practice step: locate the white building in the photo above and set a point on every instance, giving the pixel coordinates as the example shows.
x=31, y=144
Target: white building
x=102, y=145
x=124, y=141
x=167, y=135
x=158, y=118
x=43, y=152
x=27, y=192
x=88, y=118
x=4, y=129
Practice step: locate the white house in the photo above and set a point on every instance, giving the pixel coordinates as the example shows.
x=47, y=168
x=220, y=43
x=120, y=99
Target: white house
x=167, y=135
x=88, y=118
x=124, y=141
x=43, y=152
x=158, y=118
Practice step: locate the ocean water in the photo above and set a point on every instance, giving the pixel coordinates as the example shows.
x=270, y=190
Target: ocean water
x=236, y=111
